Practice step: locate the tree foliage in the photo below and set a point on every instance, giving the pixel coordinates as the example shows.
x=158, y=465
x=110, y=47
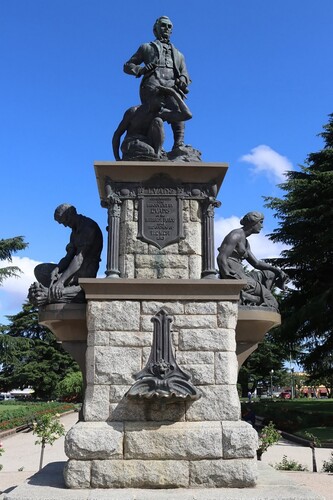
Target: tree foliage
x=305, y=216
x=48, y=428
x=7, y=248
x=71, y=387
x=257, y=368
x=30, y=355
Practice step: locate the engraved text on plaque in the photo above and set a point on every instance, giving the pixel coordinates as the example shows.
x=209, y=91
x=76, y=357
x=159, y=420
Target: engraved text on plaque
x=160, y=220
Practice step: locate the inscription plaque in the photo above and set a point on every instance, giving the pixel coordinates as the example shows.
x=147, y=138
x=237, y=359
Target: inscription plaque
x=160, y=220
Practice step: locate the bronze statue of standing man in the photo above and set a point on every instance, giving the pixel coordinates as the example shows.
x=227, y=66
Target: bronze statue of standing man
x=161, y=65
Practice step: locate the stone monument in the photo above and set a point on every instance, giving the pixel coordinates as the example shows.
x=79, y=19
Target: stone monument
x=161, y=408
x=162, y=335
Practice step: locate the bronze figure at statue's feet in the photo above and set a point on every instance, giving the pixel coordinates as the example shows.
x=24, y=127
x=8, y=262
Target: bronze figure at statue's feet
x=163, y=88
x=60, y=282
x=263, y=278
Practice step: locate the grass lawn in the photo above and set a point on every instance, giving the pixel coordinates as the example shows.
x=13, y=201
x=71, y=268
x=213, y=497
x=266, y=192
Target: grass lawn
x=298, y=416
x=324, y=434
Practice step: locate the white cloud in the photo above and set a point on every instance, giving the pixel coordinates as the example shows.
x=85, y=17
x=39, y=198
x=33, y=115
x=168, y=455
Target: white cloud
x=222, y=227
x=14, y=291
x=261, y=246
x=267, y=161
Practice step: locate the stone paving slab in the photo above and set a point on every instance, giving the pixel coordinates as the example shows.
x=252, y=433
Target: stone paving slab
x=48, y=484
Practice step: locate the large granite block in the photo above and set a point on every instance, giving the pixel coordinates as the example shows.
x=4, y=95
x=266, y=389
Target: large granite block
x=77, y=474
x=191, y=245
x=128, y=242
x=173, y=273
x=223, y=473
x=156, y=262
x=117, y=392
x=195, y=211
x=152, y=307
x=170, y=249
x=194, y=267
x=146, y=410
x=200, y=374
x=100, y=440
x=126, y=266
x=113, y=315
x=226, y=368
x=140, y=474
x=130, y=339
x=200, y=307
x=181, y=440
x=227, y=314
x=218, y=402
x=96, y=403
x=195, y=321
x=127, y=212
x=240, y=440
x=116, y=365
x=195, y=357
x=207, y=339
x=97, y=338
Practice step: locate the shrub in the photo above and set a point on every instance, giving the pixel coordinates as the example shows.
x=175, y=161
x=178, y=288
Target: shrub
x=328, y=464
x=1, y=452
x=267, y=437
x=289, y=464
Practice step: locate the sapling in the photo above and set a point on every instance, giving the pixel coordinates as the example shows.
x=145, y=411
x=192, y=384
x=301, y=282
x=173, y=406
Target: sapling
x=48, y=428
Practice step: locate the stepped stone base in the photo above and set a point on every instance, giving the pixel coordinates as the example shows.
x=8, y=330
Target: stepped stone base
x=160, y=474
x=48, y=484
x=161, y=455
x=144, y=443
x=152, y=442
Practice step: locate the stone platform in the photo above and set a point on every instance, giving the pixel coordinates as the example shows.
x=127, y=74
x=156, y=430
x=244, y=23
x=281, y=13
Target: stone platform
x=48, y=484
x=157, y=341
x=161, y=442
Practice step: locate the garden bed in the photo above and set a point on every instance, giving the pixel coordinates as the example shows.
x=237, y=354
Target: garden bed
x=18, y=414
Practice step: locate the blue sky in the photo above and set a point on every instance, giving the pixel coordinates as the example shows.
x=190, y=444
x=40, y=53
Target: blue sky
x=261, y=91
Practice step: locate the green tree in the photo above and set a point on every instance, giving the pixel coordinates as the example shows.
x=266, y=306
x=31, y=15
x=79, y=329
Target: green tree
x=305, y=216
x=257, y=368
x=7, y=248
x=70, y=388
x=31, y=356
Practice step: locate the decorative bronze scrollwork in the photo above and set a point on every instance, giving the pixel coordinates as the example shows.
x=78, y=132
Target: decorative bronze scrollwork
x=162, y=377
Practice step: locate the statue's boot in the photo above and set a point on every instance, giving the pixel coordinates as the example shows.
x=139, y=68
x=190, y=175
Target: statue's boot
x=178, y=129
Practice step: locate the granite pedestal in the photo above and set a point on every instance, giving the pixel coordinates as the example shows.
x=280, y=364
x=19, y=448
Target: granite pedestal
x=161, y=407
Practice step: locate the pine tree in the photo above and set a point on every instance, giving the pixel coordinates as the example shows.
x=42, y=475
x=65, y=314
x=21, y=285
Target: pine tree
x=7, y=248
x=306, y=214
x=30, y=355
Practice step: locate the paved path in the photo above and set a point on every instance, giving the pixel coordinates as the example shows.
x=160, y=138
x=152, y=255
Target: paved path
x=22, y=453
x=320, y=483
x=21, y=457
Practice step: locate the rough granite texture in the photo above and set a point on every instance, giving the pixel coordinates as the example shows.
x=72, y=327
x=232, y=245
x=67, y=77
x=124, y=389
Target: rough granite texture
x=182, y=260
x=127, y=443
